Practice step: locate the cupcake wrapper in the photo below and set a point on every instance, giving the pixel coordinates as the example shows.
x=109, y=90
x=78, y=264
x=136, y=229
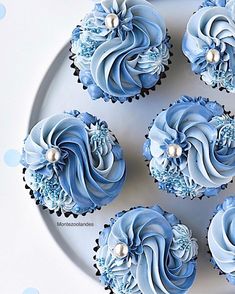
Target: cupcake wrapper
x=223, y=187
x=144, y=91
x=58, y=212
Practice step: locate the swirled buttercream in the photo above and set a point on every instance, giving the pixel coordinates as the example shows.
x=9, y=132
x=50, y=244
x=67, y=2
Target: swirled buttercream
x=204, y=137
x=209, y=43
x=120, y=61
x=89, y=170
x=160, y=255
x=221, y=238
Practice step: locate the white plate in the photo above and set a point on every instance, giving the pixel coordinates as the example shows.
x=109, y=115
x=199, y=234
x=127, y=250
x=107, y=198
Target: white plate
x=59, y=91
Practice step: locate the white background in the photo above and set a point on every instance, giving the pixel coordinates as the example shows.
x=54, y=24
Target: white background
x=31, y=35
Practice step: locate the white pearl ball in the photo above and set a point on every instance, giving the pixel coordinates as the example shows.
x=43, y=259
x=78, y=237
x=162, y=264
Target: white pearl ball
x=111, y=21
x=53, y=155
x=213, y=56
x=174, y=151
x=120, y=250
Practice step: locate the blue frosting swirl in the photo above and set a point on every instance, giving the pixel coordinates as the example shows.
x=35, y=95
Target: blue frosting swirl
x=211, y=3
x=90, y=171
x=206, y=136
x=221, y=238
x=161, y=253
x=118, y=63
x=213, y=27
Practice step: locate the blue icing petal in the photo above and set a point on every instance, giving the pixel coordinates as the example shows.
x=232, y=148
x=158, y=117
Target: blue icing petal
x=205, y=136
x=172, y=219
x=118, y=63
x=221, y=239
x=76, y=34
x=210, y=192
x=149, y=80
x=211, y=3
x=146, y=150
x=117, y=152
x=88, y=118
x=86, y=78
x=146, y=231
x=99, y=7
x=74, y=113
x=104, y=236
x=215, y=108
x=86, y=175
x=158, y=209
x=228, y=203
x=231, y=279
x=212, y=28
x=95, y=92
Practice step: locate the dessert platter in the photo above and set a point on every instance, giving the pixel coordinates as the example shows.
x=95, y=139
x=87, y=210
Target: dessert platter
x=148, y=162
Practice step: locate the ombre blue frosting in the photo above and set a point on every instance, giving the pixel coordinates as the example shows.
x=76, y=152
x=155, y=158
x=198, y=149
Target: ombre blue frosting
x=213, y=27
x=212, y=3
x=206, y=135
x=118, y=63
x=161, y=253
x=221, y=238
x=90, y=172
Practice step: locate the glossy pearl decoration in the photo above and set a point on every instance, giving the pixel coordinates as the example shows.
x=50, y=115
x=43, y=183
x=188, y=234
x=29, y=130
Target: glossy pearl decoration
x=53, y=155
x=111, y=21
x=213, y=56
x=174, y=151
x=120, y=250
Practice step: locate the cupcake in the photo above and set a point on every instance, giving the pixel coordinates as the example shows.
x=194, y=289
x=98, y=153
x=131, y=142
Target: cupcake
x=221, y=239
x=146, y=250
x=209, y=43
x=120, y=50
x=73, y=164
x=191, y=148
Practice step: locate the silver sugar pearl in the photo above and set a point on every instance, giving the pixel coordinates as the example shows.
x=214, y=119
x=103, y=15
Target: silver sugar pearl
x=111, y=21
x=213, y=56
x=174, y=151
x=120, y=250
x=53, y=155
